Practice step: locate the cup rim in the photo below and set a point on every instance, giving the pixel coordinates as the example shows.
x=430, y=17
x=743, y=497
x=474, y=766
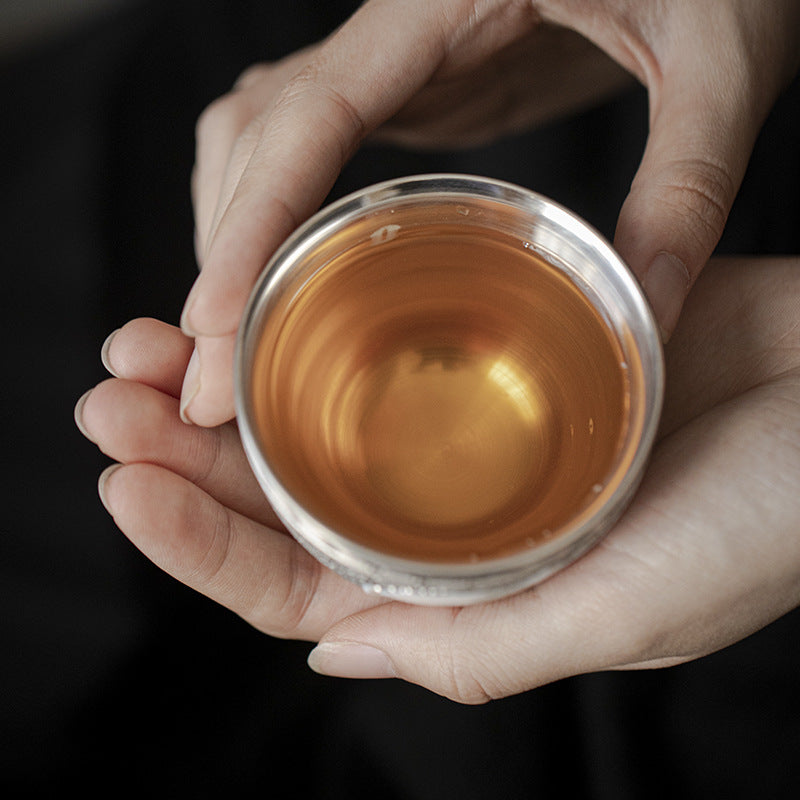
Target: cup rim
x=435, y=582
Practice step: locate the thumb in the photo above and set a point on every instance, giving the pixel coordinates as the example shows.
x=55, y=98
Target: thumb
x=480, y=652
x=701, y=137
x=469, y=654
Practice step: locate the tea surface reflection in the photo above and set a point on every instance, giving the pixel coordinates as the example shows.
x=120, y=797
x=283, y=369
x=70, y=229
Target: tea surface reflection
x=440, y=393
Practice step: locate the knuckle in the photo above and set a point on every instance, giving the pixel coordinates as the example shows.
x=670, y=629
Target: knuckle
x=468, y=674
x=311, y=87
x=471, y=678
x=209, y=565
x=285, y=604
x=467, y=687
x=700, y=193
x=203, y=455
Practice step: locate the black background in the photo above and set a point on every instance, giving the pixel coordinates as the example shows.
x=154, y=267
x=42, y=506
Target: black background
x=115, y=677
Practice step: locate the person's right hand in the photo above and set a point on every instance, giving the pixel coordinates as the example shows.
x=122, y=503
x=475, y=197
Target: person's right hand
x=446, y=72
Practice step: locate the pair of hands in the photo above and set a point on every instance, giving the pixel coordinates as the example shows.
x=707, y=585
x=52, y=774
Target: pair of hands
x=706, y=554
x=699, y=560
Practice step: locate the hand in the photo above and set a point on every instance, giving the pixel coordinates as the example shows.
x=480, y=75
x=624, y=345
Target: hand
x=457, y=72
x=706, y=554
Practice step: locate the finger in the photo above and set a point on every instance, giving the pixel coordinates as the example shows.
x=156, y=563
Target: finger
x=218, y=127
x=131, y=422
x=207, y=396
x=148, y=351
x=263, y=576
x=216, y=133
x=704, y=122
x=472, y=654
x=226, y=140
x=732, y=336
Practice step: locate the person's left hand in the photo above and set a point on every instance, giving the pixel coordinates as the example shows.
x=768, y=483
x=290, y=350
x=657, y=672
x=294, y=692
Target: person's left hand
x=707, y=553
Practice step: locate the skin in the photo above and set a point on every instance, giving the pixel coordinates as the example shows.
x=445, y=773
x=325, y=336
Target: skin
x=456, y=73
x=706, y=554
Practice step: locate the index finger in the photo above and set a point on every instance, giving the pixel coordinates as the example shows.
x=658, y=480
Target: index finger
x=357, y=79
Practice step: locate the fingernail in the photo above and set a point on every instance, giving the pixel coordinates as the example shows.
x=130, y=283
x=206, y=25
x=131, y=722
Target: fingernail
x=104, y=353
x=79, y=414
x=191, y=386
x=666, y=283
x=186, y=325
x=101, y=484
x=350, y=660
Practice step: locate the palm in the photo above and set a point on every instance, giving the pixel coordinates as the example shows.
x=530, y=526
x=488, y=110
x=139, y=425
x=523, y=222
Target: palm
x=706, y=554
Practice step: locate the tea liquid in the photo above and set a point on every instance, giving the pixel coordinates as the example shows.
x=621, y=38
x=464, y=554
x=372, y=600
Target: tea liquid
x=440, y=393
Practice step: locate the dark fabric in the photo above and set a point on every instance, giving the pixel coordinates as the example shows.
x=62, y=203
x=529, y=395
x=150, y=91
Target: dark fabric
x=112, y=675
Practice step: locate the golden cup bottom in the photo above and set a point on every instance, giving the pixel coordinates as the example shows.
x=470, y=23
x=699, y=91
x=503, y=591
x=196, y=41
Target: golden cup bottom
x=440, y=393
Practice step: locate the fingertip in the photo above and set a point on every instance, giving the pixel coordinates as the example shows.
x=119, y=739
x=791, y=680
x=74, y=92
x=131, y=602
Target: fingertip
x=350, y=660
x=207, y=393
x=105, y=354
x=666, y=283
x=186, y=321
x=78, y=414
x=191, y=387
x=102, y=486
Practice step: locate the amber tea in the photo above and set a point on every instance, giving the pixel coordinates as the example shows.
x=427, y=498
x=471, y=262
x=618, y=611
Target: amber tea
x=442, y=395
x=447, y=387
